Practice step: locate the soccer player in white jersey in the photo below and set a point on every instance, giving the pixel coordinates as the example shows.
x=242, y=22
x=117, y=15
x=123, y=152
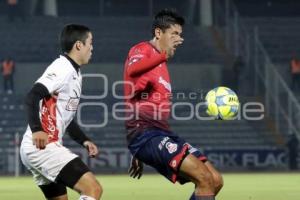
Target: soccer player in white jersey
x=51, y=107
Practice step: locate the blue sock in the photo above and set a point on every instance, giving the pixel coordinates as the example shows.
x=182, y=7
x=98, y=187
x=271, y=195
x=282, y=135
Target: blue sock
x=193, y=196
x=204, y=197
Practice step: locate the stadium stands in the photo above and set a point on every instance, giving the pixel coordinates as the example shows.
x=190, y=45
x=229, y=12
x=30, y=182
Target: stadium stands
x=280, y=36
x=113, y=36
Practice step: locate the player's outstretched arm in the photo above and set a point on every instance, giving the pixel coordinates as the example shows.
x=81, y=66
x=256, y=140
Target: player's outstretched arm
x=136, y=168
x=139, y=64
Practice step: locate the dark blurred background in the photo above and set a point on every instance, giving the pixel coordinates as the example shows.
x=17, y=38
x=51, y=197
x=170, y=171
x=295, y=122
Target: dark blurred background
x=250, y=46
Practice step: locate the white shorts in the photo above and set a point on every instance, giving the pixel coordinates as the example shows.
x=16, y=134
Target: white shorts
x=45, y=164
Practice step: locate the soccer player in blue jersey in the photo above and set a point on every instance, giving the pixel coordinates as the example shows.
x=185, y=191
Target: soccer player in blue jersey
x=149, y=137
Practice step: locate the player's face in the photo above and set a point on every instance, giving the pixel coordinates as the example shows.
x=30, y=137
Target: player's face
x=87, y=48
x=171, y=39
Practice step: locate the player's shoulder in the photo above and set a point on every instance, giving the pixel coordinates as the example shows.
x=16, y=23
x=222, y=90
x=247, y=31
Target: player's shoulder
x=61, y=65
x=142, y=47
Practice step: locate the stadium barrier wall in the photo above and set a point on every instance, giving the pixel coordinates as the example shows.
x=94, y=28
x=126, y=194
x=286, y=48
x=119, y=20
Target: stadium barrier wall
x=116, y=160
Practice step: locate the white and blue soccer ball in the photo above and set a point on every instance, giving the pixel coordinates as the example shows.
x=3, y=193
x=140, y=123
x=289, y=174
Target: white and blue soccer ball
x=222, y=103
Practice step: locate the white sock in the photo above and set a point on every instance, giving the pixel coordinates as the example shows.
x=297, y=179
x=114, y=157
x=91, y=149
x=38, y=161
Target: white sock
x=84, y=197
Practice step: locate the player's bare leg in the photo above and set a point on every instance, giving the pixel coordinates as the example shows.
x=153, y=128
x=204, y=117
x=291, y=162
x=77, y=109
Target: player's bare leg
x=218, y=180
x=89, y=187
x=199, y=174
x=62, y=197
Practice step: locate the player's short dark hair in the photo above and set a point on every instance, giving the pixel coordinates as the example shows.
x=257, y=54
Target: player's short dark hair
x=165, y=18
x=72, y=33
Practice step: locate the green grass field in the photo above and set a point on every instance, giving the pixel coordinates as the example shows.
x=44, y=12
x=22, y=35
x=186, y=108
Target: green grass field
x=270, y=186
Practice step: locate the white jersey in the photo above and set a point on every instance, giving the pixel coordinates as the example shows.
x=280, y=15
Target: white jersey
x=64, y=84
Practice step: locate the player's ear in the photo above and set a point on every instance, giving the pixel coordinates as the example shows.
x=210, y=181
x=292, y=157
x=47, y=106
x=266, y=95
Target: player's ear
x=77, y=45
x=157, y=33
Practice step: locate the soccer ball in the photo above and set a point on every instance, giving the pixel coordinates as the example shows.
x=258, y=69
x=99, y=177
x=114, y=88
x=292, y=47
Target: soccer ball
x=222, y=103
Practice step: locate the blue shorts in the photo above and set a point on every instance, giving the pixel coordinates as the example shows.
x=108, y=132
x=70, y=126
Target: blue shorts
x=164, y=151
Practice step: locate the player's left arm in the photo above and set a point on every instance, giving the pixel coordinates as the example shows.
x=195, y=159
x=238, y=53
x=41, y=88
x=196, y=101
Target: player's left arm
x=136, y=168
x=78, y=135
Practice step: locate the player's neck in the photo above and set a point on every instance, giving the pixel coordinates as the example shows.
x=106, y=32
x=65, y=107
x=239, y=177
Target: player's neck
x=156, y=44
x=74, y=58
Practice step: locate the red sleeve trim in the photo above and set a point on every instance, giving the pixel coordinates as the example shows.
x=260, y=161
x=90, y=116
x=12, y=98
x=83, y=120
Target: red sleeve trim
x=175, y=163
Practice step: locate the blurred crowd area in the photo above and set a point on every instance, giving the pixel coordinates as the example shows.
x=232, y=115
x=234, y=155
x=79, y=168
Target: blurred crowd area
x=253, y=8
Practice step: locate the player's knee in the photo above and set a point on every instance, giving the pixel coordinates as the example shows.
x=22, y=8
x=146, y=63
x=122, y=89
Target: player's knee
x=96, y=189
x=218, y=183
x=204, y=179
x=99, y=190
x=92, y=188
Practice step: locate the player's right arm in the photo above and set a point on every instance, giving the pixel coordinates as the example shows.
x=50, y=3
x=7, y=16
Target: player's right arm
x=50, y=82
x=38, y=92
x=140, y=60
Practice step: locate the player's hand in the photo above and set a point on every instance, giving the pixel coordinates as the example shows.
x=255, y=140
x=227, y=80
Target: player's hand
x=91, y=148
x=40, y=139
x=136, y=168
x=175, y=41
x=178, y=41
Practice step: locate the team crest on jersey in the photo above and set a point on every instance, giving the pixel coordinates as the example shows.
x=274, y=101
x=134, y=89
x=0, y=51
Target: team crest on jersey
x=172, y=147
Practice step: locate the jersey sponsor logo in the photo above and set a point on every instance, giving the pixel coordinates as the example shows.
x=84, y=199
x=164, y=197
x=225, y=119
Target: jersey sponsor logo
x=165, y=83
x=163, y=142
x=172, y=147
x=51, y=127
x=72, y=104
x=49, y=118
